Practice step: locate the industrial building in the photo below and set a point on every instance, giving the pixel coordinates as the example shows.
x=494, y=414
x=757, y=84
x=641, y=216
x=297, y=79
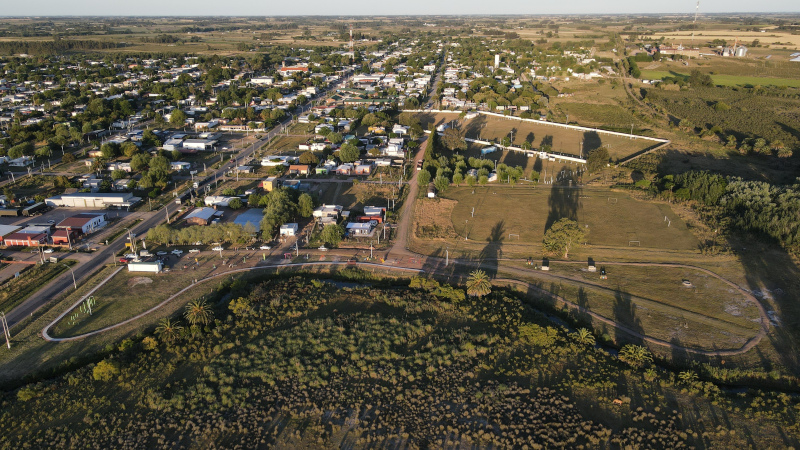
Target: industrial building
x=94, y=200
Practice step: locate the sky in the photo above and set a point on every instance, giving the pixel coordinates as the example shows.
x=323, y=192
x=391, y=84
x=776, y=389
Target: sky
x=362, y=7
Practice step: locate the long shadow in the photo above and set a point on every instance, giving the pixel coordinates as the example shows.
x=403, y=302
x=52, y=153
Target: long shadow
x=591, y=141
x=583, y=317
x=493, y=249
x=564, y=202
x=530, y=137
x=772, y=277
x=625, y=313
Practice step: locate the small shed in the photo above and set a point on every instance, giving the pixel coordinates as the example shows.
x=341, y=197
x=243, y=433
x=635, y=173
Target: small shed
x=269, y=184
x=431, y=191
x=289, y=229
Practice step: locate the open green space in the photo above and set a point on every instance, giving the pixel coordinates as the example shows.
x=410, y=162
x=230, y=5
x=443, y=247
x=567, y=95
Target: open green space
x=561, y=140
x=297, y=360
x=725, y=80
x=16, y=290
x=610, y=218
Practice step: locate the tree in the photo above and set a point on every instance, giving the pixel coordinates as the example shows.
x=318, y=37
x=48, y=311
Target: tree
x=423, y=178
x=305, y=205
x=597, y=159
x=458, y=178
x=168, y=329
x=105, y=370
x=453, y=139
x=349, y=153
x=140, y=161
x=562, y=236
x=441, y=183
x=198, y=312
x=235, y=203
x=635, y=356
x=700, y=79
x=584, y=336
x=68, y=158
x=478, y=284
x=308, y=158
x=471, y=181
x=118, y=174
x=335, y=138
x=129, y=149
x=332, y=234
x=177, y=119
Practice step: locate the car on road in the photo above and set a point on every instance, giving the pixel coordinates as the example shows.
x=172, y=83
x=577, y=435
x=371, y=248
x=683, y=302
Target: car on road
x=265, y=247
x=162, y=253
x=177, y=252
x=323, y=249
x=194, y=250
x=218, y=249
x=51, y=221
x=48, y=250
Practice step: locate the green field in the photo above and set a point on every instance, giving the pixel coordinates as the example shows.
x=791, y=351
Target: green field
x=611, y=219
x=726, y=80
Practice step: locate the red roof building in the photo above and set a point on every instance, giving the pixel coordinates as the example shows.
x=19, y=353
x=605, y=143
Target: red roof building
x=25, y=240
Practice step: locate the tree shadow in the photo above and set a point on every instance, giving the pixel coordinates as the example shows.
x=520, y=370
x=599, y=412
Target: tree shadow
x=530, y=137
x=493, y=249
x=591, y=141
x=547, y=140
x=582, y=316
x=624, y=312
x=564, y=202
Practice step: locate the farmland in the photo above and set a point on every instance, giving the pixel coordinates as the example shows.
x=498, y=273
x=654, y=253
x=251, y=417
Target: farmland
x=566, y=141
x=727, y=80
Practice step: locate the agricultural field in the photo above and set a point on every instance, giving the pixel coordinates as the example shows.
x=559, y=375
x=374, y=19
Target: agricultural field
x=313, y=355
x=725, y=80
x=610, y=218
x=566, y=141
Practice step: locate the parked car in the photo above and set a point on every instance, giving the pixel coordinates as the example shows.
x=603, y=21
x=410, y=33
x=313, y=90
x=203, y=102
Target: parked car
x=323, y=249
x=218, y=249
x=129, y=255
x=48, y=250
x=161, y=253
x=125, y=260
x=194, y=250
x=265, y=247
x=51, y=221
x=177, y=252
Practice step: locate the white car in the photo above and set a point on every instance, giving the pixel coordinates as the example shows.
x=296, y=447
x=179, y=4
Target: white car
x=264, y=247
x=177, y=252
x=161, y=253
x=323, y=249
x=218, y=249
x=48, y=250
x=194, y=250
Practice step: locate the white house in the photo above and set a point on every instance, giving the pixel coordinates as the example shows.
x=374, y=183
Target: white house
x=361, y=229
x=289, y=229
x=274, y=160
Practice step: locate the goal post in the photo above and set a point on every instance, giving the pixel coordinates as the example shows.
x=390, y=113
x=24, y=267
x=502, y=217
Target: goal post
x=634, y=244
x=612, y=200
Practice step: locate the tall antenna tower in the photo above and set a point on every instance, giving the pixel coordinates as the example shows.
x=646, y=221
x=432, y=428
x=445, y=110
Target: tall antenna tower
x=694, y=24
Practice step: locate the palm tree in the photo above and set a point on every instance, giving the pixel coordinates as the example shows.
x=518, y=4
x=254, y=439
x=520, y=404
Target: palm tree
x=198, y=312
x=584, y=336
x=478, y=284
x=635, y=356
x=168, y=329
x=687, y=376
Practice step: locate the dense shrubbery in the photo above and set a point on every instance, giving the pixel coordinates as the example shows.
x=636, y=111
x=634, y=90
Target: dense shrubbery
x=296, y=362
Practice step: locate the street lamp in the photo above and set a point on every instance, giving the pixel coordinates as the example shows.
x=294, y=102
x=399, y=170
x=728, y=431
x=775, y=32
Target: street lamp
x=73, y=275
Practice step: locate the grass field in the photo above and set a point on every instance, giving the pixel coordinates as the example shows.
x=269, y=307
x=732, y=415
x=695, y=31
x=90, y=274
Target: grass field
x=567, y=141
x=612, y=223
x=726, y=80
x=16, y=290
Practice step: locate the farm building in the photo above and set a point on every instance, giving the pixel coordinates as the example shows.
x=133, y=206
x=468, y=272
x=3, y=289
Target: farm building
x=94, y=200
x=25, y=240
x=152, y=267
x=289, y=229
x=200, y=216
x=83, y=223
x=251, y=216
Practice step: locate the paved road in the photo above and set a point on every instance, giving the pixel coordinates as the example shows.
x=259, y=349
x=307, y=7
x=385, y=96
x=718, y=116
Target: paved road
x=63, y=283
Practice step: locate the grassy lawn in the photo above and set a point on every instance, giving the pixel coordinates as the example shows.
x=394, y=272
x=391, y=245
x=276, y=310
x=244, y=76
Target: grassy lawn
x=129, y=294
x=726, y=80
x=562, y=140
x=16, y=290
x=613, y=222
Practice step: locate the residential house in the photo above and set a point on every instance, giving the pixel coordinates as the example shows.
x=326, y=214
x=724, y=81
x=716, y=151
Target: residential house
x=345, y=169
x=289, y=229
x=299, y=169
x=269, y=184
x=361, y=228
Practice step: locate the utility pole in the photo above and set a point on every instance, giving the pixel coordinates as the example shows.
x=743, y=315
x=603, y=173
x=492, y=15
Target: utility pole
x=6, y=332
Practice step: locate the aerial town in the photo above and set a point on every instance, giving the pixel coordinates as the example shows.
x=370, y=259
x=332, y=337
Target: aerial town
x=400, y=231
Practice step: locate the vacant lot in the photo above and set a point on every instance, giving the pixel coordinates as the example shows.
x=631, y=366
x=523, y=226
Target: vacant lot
x=561, y=140
x=611, y=219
